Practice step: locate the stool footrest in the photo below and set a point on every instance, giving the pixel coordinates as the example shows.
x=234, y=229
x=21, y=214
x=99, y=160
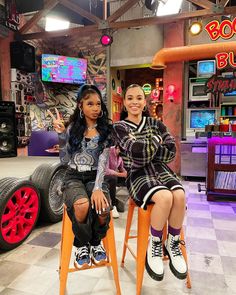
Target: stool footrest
x=73, y=269
x=131, y=250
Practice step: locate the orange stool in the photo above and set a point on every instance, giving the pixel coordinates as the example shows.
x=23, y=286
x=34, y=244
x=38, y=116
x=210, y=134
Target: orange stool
x=142, y=242
x=66, y=249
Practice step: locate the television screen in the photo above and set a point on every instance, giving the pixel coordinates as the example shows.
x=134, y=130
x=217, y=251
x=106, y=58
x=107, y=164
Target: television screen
x=200, y=118
x=63, y=69
x=206, y=68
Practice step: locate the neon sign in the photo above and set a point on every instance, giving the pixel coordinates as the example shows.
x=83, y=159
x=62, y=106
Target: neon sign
x=225, y=30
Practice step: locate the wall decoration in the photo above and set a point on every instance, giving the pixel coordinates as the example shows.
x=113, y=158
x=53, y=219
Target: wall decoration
x=122, y=85
x=113, y=84
x=118, y=75
x=63, y=96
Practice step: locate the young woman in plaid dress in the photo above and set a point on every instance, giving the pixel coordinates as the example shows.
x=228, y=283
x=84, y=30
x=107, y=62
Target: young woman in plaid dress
x=146, y=148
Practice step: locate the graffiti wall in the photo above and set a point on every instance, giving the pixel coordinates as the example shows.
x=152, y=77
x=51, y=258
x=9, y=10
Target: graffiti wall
x=63, y=96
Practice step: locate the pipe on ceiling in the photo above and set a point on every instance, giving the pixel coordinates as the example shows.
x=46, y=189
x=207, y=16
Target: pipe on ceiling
x=192, y=52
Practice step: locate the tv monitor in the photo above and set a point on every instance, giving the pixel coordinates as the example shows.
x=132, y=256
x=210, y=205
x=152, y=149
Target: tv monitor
x=206, y=68
x=200, y=118
x=63, y=69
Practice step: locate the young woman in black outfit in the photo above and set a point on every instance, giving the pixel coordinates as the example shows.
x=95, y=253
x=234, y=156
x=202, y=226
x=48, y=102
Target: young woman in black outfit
x=85, y=152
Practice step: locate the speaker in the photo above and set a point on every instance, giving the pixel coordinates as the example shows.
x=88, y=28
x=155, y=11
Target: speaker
x=8, y=137
x=22, y=56
x=23, y=6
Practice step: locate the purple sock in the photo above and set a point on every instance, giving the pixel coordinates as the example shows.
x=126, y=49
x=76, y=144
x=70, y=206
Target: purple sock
x=174, y=231
x=156, y=233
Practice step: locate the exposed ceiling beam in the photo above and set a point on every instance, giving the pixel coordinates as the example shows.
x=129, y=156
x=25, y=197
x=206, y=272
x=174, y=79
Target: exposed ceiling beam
x=224, y=2
x=104, y=9
x=170, y=19
x=76, y=8
x=120, y=11
x=131, y=23
x=202, y=3
x=48, y=5
x=55, y=34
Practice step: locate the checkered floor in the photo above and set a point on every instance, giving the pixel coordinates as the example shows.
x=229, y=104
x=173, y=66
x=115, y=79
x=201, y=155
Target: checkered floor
x=210, y=232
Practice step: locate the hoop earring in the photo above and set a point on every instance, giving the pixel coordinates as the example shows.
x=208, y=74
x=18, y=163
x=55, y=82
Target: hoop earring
x=81, y=114
x=101, y=114
x=145, y=109
x=124, y=108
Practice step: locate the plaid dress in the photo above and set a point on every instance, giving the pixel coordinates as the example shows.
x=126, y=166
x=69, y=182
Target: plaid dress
x=146, y=149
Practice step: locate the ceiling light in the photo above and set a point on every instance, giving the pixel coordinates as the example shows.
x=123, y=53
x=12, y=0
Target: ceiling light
x=195, y=28
x=167, y=7
x=55, y=24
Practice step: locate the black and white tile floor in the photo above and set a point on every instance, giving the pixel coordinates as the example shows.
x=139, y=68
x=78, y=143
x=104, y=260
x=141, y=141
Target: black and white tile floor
x=210, y=233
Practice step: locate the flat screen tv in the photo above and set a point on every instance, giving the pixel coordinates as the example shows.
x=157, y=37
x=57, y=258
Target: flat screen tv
x=206, y=68
x=199, y=118
x=63, y=69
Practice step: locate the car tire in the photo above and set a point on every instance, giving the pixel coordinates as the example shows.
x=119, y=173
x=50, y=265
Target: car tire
x=49, y=180
x=19, y=211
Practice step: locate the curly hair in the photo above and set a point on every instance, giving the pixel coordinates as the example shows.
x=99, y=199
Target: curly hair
x=78, y=124
x=124, y=113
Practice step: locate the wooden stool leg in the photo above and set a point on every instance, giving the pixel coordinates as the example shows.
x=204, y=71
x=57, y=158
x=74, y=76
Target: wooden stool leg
x=127, y=229
x=66, y=248
x=142, y=243
x=112, y=249
x=184, y=252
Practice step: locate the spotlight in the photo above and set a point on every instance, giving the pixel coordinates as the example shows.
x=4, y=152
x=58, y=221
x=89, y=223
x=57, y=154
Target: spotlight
x=195, y=28
x=106, y=40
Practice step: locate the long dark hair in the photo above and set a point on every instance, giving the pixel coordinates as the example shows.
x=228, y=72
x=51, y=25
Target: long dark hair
x=124, y=113
x=78, y=124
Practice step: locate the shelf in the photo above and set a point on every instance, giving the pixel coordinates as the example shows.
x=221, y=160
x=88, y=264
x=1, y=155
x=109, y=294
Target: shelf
x=221, y=176
x=198, y=104
x=227, y=116
x=213, y=195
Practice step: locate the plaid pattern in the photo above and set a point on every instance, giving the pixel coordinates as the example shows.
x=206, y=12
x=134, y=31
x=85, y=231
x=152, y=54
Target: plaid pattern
x=145, y=149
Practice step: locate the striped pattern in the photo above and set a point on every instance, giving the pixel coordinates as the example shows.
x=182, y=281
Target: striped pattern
x=145, y=149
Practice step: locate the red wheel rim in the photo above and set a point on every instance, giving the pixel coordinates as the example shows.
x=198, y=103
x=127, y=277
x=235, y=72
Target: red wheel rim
x=20, y=215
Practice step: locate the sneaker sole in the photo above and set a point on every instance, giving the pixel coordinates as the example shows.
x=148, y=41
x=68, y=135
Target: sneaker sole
x=84, y=266
x=151, y=273
x=102, y=262
x=180, y=276
x=115, y=217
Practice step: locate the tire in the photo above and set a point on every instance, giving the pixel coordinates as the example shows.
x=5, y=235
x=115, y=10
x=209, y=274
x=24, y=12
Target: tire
x=19, y=211
x=49, y=179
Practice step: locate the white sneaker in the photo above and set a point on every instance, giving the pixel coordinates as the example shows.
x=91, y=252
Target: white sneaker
x=178, y=265
x=154, y=263
x=115, y=213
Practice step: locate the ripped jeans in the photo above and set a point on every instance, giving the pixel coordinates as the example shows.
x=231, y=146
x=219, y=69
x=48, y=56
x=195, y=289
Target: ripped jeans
x=80, y=185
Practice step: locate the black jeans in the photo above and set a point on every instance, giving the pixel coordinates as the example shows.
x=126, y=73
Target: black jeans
x=112, y=183
x=78, y=185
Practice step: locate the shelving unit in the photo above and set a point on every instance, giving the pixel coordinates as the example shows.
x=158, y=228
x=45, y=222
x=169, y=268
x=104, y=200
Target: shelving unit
x=221, y=170
x=228, y=110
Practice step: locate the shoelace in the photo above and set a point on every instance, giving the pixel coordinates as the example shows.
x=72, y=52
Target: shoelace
x=82, y=251
x=98, y=250
x=175, y=247
x=156, y=249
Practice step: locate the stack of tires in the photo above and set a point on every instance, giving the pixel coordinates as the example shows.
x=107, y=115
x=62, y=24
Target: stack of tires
x=24, y=201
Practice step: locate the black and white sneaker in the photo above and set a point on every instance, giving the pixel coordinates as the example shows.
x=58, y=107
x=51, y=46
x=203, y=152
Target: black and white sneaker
x=98, y=254
x=82, y=257
x=178, y=265
x=154, y=263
